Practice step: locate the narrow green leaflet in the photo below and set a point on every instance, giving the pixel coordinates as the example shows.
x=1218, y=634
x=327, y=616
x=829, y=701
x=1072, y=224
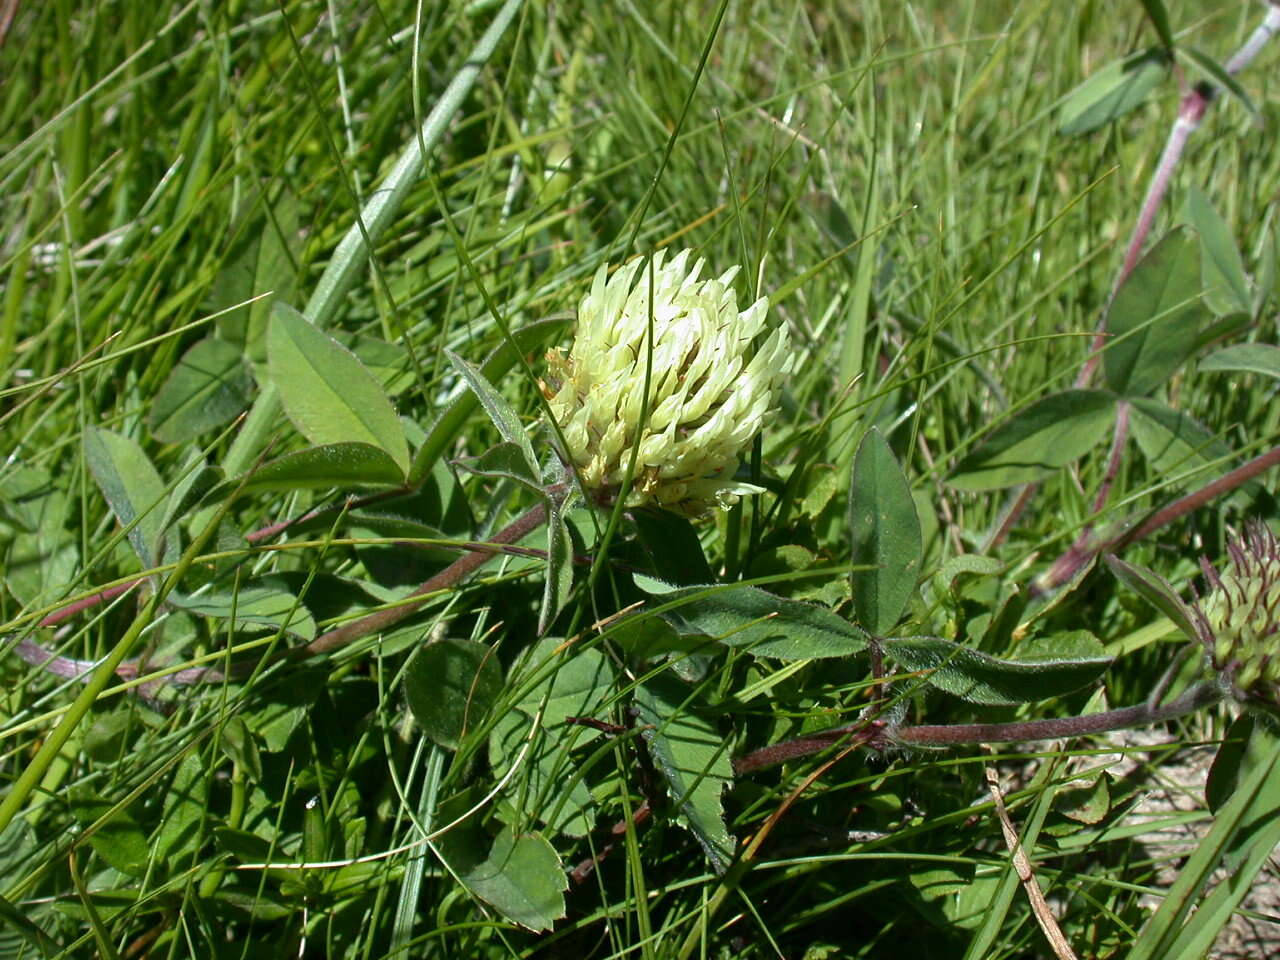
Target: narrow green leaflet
x=451, y=686
x=1044, y=437
x=1260, y=358
x=326, y=390
x=1155, y=319
x=504, y=418
x=447, y=426
x=132, y=487
x=206, y=388
x=522, y=878
x=981, y=678
x=884, y=531
x=265, y=602
x=764, y=624
x=559, y=579
x=1113, y=91
x=185, y=804
x=1221, y=268
x=330, y=465
x=693, y=757
x=1156, y=591
x=1159, y=18
x=1218, y=75
x=505, y=459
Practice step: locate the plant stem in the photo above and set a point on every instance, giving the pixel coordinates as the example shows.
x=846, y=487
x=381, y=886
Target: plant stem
x=879, y=735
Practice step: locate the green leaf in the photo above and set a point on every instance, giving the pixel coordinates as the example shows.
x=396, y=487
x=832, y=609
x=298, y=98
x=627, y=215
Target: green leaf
x=980, y=678
x=752, y=619
x=326, y=390
x=265, y=602
x=207, y=387
x=1044, y=437
x=332, y=465
x=1260, y=358
x=673, y=546
x=1155, y=318
x=1156, y=591
x=1173, y=441
x=522, y=879
x=693, y=757
x=504, y=418
x=555, y=683
x=132, y=487
x=1236, y=756
x=185, y=803
x=450, y=423
x=884, y=531
x=1113, y=91
x=43, y=556
x=114, y=834
x=1226, y=290
x=1159, y=18
x=451, y=686
x=261, y=265
x=1219, y=76
x=505, y=459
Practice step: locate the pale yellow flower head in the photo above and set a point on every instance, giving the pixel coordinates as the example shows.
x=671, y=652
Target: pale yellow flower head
x=709, y=394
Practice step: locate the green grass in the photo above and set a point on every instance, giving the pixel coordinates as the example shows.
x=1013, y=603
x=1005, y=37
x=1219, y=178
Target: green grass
x=892, y=175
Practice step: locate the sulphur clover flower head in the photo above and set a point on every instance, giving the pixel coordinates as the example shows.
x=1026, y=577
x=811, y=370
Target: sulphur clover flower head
x=1238, y=620
x=710, y=388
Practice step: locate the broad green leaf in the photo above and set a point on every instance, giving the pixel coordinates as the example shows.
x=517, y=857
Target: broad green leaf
x=693, y=757
x=1173, y=442
x=1044, y=437
x=331, y=465
x=265, y=602
x=43, y=556
x=764, y=624
x=1155, y=318
x=115, y=836
x=1113, y=91
x=207, y=387
x=185, y=803
x=450, y=423
x=559, y=577
x=980, y=678
x=451, y=686
x=133, y=489
x=522, y=879
x=327, y=392
x=500, y=413
x=1260, y=358
x=555, y=682
x=884, y=533
x=1226, y=290
x=1156, y=591
x=673, y=547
